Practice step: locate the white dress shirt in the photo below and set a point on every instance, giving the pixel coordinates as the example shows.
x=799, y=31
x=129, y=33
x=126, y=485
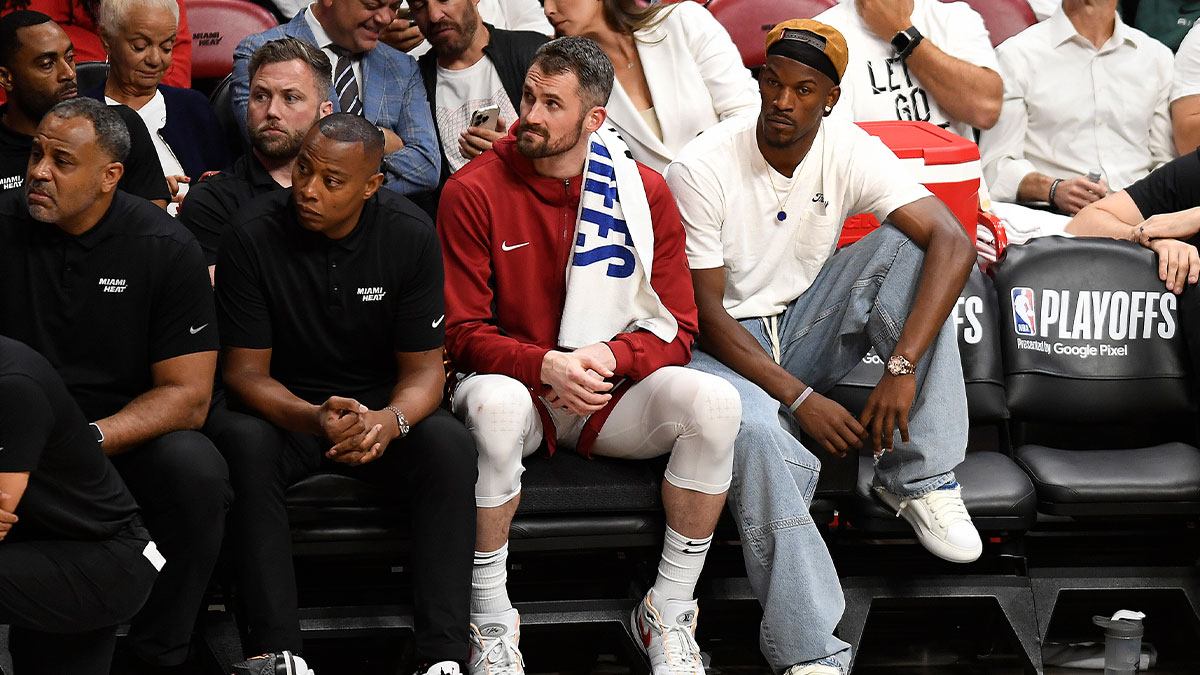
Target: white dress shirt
x=1070, y=108
x=878, y=85
x=325, y=42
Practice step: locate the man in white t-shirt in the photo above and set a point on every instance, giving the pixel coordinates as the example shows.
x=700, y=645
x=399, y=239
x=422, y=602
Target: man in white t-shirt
x=1185, y=93
x=471, y=67
x=917, y=60
x=783, y=318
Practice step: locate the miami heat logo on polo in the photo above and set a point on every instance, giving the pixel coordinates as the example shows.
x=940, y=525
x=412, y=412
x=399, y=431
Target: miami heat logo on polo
x=1024, y=311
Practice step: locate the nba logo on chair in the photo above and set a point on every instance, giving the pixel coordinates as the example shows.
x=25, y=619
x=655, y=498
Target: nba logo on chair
x=1023, y=309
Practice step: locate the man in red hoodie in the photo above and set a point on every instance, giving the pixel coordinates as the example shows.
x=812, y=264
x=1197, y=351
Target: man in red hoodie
x=508, y=225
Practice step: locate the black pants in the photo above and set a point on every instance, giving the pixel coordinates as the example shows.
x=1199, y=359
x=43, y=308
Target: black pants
x=64, y=599
x=435, y=465
x=182, y=485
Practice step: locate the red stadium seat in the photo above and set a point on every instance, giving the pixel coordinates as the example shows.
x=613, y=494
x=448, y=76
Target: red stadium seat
x=217, y=28
x=748, y=21
x=1003, y=18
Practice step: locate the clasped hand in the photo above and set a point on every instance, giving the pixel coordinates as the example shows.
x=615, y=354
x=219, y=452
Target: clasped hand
x=359, y=434
x=577, y=379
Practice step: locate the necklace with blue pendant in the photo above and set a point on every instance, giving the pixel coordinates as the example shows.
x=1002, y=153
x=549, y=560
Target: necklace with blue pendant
x=782, y=214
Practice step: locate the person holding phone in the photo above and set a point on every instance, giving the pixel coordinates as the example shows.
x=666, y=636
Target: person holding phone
x=473, y=76
x=75, y=559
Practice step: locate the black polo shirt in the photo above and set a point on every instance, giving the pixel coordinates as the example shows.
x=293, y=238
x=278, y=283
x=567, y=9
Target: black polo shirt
x=212, y=204
x=105, y=305
x=74, y=492
x=143, y=173
x=333, y=312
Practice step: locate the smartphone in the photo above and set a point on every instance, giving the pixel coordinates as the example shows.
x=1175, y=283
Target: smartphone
x=485, y=117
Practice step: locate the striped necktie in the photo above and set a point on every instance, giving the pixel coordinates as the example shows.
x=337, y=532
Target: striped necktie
x=344, y=84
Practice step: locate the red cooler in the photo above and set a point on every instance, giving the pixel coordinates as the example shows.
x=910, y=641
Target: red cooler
x=942, y=161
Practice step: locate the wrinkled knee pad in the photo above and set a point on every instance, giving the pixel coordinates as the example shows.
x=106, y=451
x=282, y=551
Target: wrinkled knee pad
x=499, y=413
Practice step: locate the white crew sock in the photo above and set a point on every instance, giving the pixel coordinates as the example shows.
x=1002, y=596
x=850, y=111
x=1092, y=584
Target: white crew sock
x=679, y=569
x=489, y=578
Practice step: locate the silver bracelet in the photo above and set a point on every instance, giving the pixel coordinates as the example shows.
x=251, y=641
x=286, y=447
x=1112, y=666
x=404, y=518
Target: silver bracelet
x=1053, y=189
x=800, y=399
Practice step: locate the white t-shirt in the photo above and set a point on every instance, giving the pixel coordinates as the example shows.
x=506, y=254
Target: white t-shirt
x=458, y=94
x=154, y=116
x=729, y=200
x=1187, y=66
x=878, y=85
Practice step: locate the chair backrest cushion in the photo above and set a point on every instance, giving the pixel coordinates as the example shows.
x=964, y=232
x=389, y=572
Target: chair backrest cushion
x=1088, y=333
x=217, y=28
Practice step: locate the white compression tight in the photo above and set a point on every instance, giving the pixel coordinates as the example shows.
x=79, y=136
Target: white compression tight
x=690, y=414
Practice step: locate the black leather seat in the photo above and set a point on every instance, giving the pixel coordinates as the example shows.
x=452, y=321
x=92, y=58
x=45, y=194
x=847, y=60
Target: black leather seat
x=1098, y=386
x=1162, y=480
x=1075, y=364
x=594, y=502
x=90, y=74
x=221, y=100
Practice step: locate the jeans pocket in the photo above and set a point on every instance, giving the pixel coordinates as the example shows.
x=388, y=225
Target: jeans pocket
x=804, y=467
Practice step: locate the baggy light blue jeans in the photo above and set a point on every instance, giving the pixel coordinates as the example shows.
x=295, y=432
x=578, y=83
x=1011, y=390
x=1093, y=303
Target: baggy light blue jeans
x=861, y=297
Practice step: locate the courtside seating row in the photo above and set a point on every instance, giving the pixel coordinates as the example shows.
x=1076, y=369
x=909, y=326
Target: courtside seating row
x=219, y=25
x=1078, y=391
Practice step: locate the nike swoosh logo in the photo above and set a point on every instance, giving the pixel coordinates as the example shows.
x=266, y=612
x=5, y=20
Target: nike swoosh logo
x=195, y=330
x=505, y=247
x=645, y=632
x=439, y=321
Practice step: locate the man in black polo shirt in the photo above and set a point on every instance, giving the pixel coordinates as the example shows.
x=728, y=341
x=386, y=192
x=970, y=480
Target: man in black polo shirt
x=76, y=561
x=330, y=303
x=37, y=70
x=289, y=83
x=114, y=293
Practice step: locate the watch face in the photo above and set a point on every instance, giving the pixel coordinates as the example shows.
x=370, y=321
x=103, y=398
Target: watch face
x=898, y=365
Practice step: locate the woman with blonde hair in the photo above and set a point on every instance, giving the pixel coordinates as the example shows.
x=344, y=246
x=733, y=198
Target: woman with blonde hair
x=677, y=70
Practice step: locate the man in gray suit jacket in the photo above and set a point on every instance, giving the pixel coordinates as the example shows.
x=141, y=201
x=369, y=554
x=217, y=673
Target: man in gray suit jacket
x=369, y=78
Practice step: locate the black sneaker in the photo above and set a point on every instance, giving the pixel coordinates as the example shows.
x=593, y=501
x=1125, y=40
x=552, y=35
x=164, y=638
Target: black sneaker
x=281, y=663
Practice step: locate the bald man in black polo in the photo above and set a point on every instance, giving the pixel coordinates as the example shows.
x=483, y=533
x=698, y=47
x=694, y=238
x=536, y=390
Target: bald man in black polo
x=329, y=297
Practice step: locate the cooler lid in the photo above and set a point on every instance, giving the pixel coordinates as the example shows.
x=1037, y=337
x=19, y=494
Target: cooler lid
x=922, y=140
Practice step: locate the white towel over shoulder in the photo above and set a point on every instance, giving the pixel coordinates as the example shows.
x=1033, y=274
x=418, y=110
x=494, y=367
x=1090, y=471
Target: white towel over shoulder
x=608, y=276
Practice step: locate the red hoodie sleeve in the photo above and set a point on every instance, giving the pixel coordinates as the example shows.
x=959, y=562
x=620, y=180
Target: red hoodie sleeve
x=473, y=340
x=180, y=74
x=640, y=353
